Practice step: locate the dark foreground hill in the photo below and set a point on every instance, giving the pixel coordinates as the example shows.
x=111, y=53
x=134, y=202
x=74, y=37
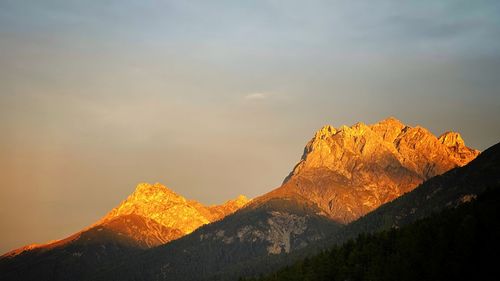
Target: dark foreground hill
x=447, y=191
x=151, y=216
x=457, y=244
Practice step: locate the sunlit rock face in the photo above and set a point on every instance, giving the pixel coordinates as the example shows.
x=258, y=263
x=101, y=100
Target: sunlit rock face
x=151, y=216
x=349, y=171
x=158, y=203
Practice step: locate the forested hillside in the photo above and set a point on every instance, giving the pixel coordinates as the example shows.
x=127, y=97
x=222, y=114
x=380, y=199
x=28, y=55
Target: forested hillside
x=457, y=244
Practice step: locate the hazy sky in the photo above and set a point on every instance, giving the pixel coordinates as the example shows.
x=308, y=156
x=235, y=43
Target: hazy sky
x=217, y=98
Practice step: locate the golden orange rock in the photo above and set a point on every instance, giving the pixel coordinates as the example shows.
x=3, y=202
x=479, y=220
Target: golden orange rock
x=350, y=171
x=159, y=203
x=152, y=215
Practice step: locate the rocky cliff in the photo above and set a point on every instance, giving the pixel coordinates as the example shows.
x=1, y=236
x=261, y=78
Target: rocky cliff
x=349, y=171
x=151, y=216
x=157, y=202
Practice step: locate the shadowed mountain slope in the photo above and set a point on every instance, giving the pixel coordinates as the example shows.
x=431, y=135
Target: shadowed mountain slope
x=458, y=243
x=152, y=215
x=448, y=191
x=339, y=171
x=344, y=174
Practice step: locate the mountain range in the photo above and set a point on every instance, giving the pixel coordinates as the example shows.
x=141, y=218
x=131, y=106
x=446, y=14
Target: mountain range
x=334, y=193
x=424, y=242
x=151, y=216
x=350, y=171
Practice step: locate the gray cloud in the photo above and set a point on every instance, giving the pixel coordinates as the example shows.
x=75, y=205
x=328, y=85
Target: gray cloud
x=257, y=96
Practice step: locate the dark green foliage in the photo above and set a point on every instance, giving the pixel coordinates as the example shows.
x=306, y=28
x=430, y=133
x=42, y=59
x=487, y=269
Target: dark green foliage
x=457, y=244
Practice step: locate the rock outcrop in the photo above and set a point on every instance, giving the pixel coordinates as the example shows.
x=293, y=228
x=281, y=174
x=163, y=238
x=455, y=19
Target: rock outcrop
x=151, y=216
x=350, y=171
x=159, y=203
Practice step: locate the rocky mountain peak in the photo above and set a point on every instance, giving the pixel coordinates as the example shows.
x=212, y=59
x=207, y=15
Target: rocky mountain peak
x=391, y=121
x=154, y=192
x=150, y=216
x=160, y=204
x=452, y=139
x=239, y=201
x=325, y=132
x=351, y=170
x=457, y=148
x=217, y=212
x=389, y=129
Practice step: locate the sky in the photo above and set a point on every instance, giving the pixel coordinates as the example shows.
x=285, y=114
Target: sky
x=217, y=98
